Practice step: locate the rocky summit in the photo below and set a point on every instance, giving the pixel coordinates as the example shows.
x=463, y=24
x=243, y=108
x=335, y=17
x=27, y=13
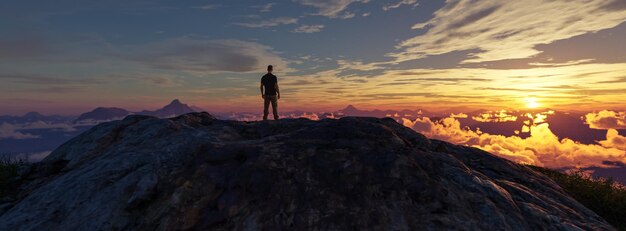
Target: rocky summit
x=194, y=172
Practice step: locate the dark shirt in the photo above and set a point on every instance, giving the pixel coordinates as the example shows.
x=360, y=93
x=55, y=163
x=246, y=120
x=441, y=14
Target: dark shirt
x=269, y=82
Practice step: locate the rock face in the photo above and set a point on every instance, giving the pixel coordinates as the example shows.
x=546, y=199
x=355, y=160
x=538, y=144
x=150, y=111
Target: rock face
x=195, y=172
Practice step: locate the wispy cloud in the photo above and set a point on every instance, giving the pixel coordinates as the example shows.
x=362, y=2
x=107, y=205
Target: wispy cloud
x=569, y=63
x=506, y=29
x=207, y=7
x=332, y=8
x=265, y=7
x=269, y=23
x=208, y=56
x=160, y=81
x=411, y=3
x=309, y=29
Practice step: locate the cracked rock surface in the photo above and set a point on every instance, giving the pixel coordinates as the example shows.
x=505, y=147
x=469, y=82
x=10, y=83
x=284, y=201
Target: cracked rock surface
x=195, y=172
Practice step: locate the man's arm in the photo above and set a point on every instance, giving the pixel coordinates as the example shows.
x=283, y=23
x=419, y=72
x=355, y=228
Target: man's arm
x=261, y=87
x=277, y=90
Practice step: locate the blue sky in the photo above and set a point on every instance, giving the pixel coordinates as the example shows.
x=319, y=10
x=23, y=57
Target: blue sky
x=70, y=56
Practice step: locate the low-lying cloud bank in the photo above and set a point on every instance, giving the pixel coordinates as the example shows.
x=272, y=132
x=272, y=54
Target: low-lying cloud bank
x=606, y=119
x=10, y=131
x=541, y=148
x=20, y=131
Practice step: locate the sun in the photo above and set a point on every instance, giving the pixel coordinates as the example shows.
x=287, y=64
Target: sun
x=531, y=103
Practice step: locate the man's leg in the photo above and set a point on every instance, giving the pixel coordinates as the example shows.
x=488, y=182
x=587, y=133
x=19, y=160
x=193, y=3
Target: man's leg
x=275, y=107
x=266, y=105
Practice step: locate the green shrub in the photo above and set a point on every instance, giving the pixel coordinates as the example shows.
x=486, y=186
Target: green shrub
x=604, y=196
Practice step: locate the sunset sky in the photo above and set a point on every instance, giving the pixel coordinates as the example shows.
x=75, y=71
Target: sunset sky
x=68, y=57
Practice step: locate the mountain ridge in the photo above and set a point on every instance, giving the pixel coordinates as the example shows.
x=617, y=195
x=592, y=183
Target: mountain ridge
x=197, y=172
x=103, y=114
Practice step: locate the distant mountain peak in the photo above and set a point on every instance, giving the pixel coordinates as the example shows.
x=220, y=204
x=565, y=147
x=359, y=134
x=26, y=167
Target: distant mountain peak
x=103, y=114
x=33, y=114
x=177, y=104
x=175, y=108
x=350, y=108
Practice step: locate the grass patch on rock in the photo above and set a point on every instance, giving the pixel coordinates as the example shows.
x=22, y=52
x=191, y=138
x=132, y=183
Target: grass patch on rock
x=604, y=196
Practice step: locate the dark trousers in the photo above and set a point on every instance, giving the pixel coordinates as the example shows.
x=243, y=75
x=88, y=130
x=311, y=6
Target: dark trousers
x=270, y=99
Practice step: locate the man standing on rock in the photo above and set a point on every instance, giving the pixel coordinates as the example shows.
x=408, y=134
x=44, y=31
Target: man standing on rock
x=271, y=94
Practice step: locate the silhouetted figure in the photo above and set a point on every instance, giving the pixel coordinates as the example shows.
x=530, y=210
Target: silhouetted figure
x=271, y=93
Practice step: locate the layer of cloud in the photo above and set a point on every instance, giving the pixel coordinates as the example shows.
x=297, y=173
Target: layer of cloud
x=614, y=140
x=507, y=29
x=541, y=148
x=412, y=3
x=332, y=8
x=21, y=130
x=495, y=116
x=269, y=23
x=208, y=56
x=606, y=119
x=46, y=125
x=10, y=131
x=309, y=29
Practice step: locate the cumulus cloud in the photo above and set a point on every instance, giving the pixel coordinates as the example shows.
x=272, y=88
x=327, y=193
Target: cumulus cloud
x=614, y=140
x=10, y=131
x=495, y=116
x=332, y=8
x=309, y=29
x=606, y=119
x=412, y=3
x=542, y=147
x=460, y=115
x=501, y=30
x=269, y=23
x=208, y=56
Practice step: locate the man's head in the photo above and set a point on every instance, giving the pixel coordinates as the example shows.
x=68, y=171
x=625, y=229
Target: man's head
x=270, y=68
